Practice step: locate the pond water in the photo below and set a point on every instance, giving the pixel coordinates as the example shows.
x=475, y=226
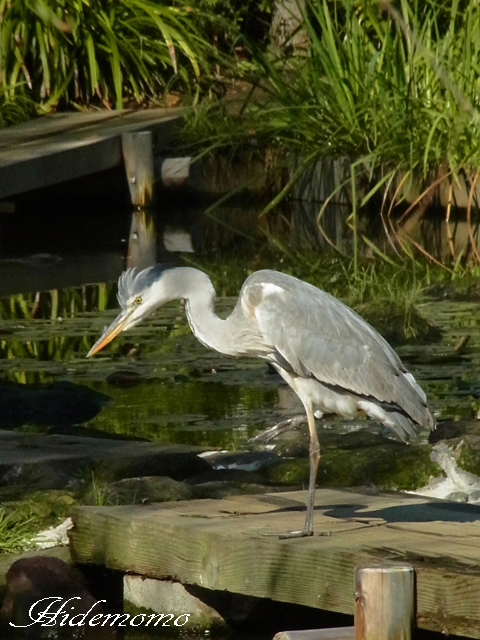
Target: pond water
x=157, y=382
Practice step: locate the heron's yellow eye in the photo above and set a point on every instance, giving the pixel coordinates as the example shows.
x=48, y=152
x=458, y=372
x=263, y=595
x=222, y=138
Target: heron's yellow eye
x=138, y=300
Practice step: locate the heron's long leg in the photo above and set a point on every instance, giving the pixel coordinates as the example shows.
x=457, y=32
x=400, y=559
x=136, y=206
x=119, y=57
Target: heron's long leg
x=314, y=460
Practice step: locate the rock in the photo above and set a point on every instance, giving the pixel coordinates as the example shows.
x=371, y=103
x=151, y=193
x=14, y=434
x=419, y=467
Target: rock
x=244, y=460
x=124, y=378
x=217, y=490
x=171, y=603
x=457, y=496
x=148, y=489
x=474, y=496
x=59, y=404
x=55, y=461
x=389, y=465
x=178, y=465
x=294, y=448
x=30, y=580
x=467, y=453
x=227, y=475
x=6, y=561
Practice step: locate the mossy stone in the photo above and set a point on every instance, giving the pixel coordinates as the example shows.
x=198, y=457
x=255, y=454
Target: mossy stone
x=467, y=454
x=383, y=466
x=148, y=489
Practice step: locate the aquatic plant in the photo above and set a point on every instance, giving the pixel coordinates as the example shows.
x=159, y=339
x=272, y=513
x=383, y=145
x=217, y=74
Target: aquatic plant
x=97, y=52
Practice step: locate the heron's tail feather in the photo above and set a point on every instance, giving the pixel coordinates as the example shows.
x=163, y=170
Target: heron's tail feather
x=393, y=417
x=402, y=425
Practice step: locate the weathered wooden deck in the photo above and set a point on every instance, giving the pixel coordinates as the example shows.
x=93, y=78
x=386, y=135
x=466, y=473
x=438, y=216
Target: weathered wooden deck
x=64, y=146
x=232, y=545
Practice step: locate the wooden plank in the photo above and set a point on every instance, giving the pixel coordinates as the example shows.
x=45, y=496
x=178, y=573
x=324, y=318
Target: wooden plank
x=47, y=160
x=86, y=123
x=59, y=165
x=340, y=633
x=233, y=545
x=51, y=124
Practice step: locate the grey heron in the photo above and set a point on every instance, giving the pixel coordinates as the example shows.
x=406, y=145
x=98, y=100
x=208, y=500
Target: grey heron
x=333, y=359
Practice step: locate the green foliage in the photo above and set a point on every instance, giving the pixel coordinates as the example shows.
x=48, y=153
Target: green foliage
x=394, y=89
x=97, y=492
x=96, y=51
x=14, y=531
x=52, y=340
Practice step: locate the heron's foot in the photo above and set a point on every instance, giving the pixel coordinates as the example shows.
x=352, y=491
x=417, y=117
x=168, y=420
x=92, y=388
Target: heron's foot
x=271, y=433
x=286, y=536
x=305, y=533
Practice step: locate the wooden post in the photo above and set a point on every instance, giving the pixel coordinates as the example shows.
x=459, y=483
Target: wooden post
x=138, y=157
x=384, y=602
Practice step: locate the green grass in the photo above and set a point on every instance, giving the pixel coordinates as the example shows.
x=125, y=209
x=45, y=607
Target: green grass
x=24, y=518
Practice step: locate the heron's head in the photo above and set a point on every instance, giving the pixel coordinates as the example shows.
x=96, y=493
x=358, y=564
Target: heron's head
x=138, y=294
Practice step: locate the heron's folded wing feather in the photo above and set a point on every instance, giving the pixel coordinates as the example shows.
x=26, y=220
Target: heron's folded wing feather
x=319, y=336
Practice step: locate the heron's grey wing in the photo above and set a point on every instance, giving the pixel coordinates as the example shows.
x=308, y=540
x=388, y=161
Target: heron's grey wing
x=314, y=334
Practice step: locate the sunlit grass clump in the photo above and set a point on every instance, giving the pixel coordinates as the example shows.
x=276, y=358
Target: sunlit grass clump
x=393, y=88
x=97, y=51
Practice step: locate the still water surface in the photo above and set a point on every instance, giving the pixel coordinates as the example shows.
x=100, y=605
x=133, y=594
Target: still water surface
x=157, y=382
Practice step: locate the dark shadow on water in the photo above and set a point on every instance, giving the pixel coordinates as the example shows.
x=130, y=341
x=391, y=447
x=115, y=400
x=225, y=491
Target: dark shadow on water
x=60, y=404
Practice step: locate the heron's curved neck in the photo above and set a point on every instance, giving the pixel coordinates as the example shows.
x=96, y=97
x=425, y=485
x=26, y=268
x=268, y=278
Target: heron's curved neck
x=197, y=290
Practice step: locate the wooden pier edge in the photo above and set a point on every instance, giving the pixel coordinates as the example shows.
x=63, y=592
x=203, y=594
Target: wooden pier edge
x=233, y=545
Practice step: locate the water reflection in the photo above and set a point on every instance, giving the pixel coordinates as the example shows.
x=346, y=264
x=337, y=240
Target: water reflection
x=142, y=240
x=59, y=404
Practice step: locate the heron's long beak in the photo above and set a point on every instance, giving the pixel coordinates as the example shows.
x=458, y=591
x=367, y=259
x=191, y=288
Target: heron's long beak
x=117, y=326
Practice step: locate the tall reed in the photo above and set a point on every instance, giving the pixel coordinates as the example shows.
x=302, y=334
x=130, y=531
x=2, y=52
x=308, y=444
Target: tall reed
x=393, y=88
